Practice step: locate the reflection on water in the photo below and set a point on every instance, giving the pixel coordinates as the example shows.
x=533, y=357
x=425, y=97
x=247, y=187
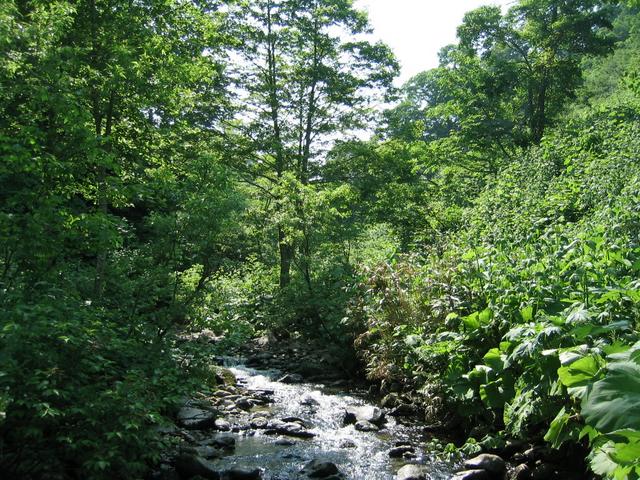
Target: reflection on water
x=359, y=455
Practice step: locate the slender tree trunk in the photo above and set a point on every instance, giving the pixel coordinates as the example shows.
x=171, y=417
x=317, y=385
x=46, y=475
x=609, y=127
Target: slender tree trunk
x=285, y=248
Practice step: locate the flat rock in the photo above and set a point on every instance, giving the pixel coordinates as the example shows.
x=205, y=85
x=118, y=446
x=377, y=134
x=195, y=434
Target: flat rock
x=491, y=463
x=196, y=418
x=319, y=469
x=412, y=472
x=472, y=475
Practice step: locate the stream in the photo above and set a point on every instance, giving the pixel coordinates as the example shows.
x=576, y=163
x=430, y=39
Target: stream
x=358, y=455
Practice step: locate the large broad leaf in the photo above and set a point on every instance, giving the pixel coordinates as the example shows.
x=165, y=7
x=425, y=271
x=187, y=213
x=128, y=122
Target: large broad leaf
x=562, y=428
x=613, y=403
x=581, y=372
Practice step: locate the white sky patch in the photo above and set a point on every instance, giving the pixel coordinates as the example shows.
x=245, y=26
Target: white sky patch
x=416, y=30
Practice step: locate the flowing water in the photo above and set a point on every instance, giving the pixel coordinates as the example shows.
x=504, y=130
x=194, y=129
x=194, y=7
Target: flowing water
x=358, y=455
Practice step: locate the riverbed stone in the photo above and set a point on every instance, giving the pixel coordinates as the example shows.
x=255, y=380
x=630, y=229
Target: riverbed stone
x=259, y=423
x=401, y=451
x=278, y=427
x=412, y=472
x=222, y=425
x=486, y=461
x=521, y=472
x=241, y=474
x=319, y=469
x=196, y=418
x=472, y=475
x=347, y=443
x=284, y=442
x=189, y=466
x=208, y=452
x=244, y=404
x=367, y=413
x=224, y=442
x=364, y=426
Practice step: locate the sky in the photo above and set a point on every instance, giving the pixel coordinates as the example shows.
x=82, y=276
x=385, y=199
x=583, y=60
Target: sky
x=417, y=29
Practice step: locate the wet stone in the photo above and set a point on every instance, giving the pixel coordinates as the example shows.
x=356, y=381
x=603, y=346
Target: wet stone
x=241, y=474
x=189, y=466
x=412, y=472
x=491, y=463
x=364, y=426
x=222, y=425
x=472, y=475
x=401, y=451
x=521, y=472
x=368, y=414
x=196, y=418
x=319, y=469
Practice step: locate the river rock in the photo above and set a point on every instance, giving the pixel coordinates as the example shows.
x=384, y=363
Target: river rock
x=189, y=466
x=521, y=472
x=259, y=423
x=367, y=413
x=291, y=378
x=278, y=427
x=284, y=442
x=347, y=443
x=364, y=426
x=244, y=404
x=491, y=463
x=241, y=474
x=222, y=425
x=401, y=451
x=319, y=469
x=412, y=472
x=471, y=475
x=196, y=418
x=208, y=452
x=224, y=442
